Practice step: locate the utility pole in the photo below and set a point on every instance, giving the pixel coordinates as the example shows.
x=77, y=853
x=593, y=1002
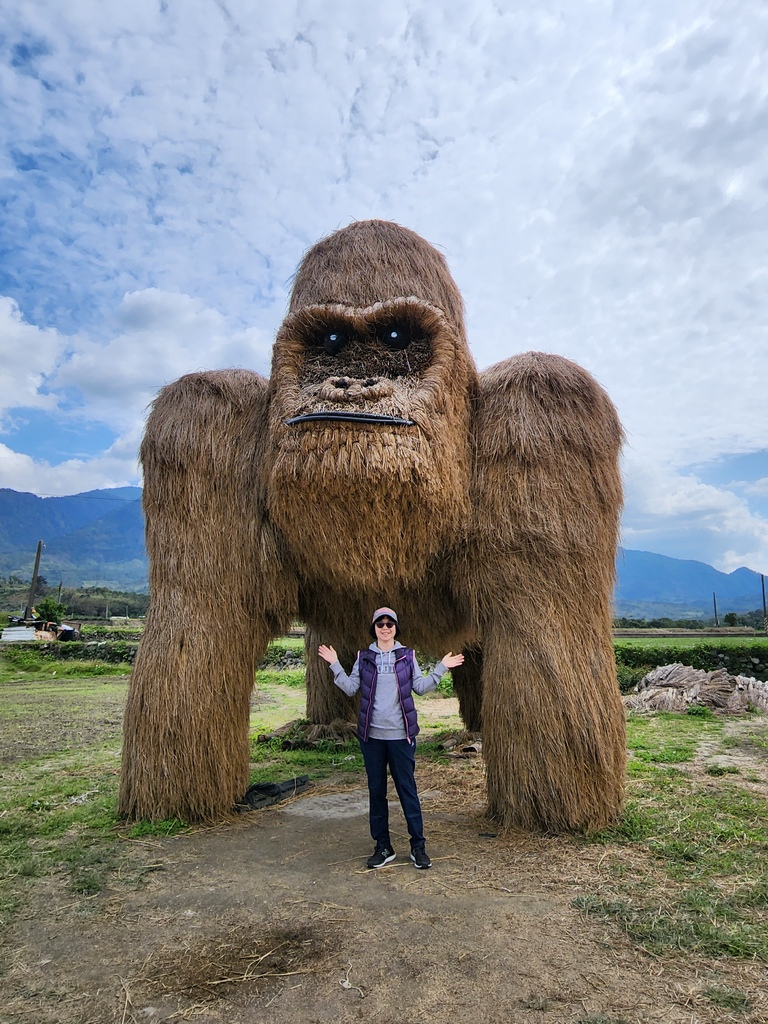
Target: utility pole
x=714, y=601
x=33, y=584
x=765, y=611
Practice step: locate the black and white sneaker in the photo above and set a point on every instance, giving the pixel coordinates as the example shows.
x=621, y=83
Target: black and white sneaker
x=381, y=855
x=420, y=858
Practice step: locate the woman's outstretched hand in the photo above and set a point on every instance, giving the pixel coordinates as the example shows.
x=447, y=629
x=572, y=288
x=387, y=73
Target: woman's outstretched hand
x=328, y=654
x=453, y=660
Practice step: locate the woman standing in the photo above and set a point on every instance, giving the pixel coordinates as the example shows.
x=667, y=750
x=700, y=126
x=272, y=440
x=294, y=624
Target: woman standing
x=387, y=674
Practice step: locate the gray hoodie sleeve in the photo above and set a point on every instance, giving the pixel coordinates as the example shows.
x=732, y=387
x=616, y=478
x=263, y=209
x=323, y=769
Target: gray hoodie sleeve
x=350, y=684
x=422, y=684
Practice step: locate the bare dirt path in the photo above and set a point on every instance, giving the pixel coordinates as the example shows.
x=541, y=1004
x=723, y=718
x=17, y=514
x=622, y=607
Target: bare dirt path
x=274, y=917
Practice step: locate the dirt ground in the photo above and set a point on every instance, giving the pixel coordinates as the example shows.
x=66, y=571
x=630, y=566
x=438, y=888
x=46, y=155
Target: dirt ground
x=273, y=916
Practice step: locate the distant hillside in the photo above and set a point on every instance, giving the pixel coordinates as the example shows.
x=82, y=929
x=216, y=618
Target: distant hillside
x=91, y=539
x=677, y=587
x=25, y=518
x=97, y=539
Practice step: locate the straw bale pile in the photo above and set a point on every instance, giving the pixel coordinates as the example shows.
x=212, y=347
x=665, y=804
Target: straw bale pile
x=376, y=466
x=676, y=687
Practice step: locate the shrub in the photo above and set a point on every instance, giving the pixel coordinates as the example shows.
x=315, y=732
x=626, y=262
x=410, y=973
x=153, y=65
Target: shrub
x=445, y=686
x=749, y=659
x=109, y=651
x=629, y=677
x=49, y=610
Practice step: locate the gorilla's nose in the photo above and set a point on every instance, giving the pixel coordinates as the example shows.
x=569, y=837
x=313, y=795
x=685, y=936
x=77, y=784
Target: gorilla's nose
x=355, y=387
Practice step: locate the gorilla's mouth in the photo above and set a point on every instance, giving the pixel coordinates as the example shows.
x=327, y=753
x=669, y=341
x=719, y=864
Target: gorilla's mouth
x=350, y=417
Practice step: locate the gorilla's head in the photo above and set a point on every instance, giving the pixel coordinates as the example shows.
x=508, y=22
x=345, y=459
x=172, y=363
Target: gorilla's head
x=371, y=391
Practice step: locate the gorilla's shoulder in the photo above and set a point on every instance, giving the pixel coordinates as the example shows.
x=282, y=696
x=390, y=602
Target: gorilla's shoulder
x=202, y=415
x=537, y=404
x=235, y=387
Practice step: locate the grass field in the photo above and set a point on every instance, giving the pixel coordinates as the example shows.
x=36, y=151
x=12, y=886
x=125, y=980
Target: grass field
x=760, y=642
x=702, y=835
x=685, y=869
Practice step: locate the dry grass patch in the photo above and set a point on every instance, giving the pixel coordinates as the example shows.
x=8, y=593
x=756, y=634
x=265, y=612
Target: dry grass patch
x=251, y=958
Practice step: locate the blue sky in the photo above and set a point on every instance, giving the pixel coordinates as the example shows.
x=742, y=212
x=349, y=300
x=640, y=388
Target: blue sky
x=595, y=174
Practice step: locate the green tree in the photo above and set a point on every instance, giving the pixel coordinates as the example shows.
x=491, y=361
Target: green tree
x=731, y=619
x=50, y=610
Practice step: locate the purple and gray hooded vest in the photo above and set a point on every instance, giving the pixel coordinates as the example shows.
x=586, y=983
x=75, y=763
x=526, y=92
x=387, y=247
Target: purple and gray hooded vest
x=404, y=662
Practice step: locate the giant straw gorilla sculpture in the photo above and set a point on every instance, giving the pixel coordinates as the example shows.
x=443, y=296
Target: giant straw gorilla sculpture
x=377, y=467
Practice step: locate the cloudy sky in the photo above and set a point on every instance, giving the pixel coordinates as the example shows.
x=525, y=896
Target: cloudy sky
x=595, y=172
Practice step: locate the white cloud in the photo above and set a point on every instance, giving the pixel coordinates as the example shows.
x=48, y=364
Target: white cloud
x=30, y=355
x=678, y=515
x=595, y=177
x=114, y=468
x=163, y=336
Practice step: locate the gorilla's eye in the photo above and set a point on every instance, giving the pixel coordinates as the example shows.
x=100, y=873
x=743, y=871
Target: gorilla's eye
x=394, y=336
x=334, y=340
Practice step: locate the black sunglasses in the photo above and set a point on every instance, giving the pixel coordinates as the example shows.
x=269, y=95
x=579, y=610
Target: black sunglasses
x=384, y=623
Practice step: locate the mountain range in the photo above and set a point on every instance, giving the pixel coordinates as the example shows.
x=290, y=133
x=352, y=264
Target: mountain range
x=91, y=539
x=97, y=539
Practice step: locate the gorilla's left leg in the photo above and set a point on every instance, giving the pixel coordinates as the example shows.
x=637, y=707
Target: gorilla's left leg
x=468, y=687
x=325, y=701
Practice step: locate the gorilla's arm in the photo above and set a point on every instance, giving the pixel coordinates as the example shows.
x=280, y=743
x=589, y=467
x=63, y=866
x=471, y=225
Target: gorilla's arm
x=217, y=595
x=546, y=501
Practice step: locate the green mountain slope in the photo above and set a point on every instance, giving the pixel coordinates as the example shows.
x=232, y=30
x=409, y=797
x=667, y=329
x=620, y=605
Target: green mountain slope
x=26, y=518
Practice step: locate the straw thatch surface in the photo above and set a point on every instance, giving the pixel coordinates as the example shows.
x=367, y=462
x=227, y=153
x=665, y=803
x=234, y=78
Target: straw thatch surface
x=372, y=260
x=540, y=568
x=332, y=488
x=468, y=687
x=677, y=687
x=490, y=524
x=185, y=750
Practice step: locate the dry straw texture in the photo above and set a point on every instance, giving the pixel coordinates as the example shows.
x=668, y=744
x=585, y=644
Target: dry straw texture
x=368, y=502
x=490, y=524
x=185, y=750
x=539, y=573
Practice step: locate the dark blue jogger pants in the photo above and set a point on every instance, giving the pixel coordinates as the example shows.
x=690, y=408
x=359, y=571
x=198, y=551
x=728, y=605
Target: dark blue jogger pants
x=400, y=756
